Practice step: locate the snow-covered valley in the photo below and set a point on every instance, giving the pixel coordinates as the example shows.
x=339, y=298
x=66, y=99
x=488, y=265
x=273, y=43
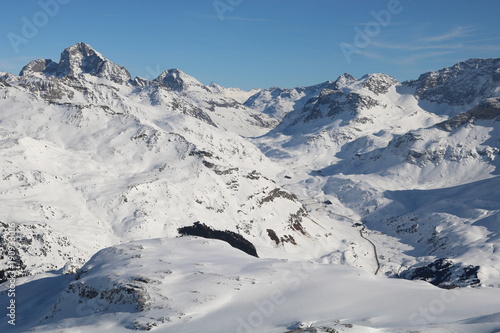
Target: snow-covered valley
x=344, y=195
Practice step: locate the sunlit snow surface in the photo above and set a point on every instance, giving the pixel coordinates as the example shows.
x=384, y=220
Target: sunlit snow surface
x=100, y=171
x=196, y=285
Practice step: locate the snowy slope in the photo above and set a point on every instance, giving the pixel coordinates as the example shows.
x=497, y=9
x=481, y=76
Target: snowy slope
x=356, y=146
x=93, y=163
x=329, y=185
x=195, y=285
x=132, y=175
x=218, y=103
x=83, y=75
x=237, y=94
x=277, y=102
x=360, y=115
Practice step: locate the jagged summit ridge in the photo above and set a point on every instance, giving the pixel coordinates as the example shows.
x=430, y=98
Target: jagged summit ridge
x=485, y=110
x=344, y=80
x=463, y=84
x=78, y=59
x=85, y=76
x=378, y=83
x=177, y=80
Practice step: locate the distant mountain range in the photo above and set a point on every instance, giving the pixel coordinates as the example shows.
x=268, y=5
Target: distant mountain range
x=371, y=173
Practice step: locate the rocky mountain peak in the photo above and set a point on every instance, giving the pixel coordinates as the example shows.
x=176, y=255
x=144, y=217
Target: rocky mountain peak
x=177, y=80
x=378, y=83
x=44, y=66
x=344, y=80
x=78, y=59
x=215, y=86
x=462, y=84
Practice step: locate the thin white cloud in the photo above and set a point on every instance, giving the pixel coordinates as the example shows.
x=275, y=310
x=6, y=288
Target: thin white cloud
x=458, y=32
x=383, y=45
x=416, y=46
x=414, y=58
x=447, y=43
x=463, y=45
x=442, y=41
x=370, y=55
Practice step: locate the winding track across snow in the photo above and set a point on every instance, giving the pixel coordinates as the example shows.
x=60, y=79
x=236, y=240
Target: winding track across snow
x=374, y=248
x=312, y=202
x=362, y=236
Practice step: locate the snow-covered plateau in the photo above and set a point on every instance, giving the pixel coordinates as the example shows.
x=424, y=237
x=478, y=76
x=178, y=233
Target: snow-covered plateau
x=354, y=205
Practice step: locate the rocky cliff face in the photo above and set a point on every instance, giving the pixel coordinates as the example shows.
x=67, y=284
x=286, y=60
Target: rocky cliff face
x=488, y=109
x=443, y=273
x=463, y=84
x=76, y=60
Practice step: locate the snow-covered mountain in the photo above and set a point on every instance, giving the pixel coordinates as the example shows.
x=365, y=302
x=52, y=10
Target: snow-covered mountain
x=237, y=94
x=277, y=102
x=76, y=60
x=83, y=75
x=464, y=84
x=104, y=162
x=323, y=186
x=373, y=143
x=195, y=285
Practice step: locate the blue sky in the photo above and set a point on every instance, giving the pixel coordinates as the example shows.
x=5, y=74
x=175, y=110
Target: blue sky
x=256, y=43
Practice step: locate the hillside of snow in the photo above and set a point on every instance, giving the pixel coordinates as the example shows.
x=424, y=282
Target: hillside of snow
x=195, y=285
x=132, y=202
x=387, y=157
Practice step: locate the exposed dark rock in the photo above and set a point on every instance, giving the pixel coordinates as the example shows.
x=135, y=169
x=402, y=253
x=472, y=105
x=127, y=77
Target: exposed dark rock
x=16, y=267
x=295, y=221
x=123, y=292
x=226, y=171
x=50, y=89
x=297, y=96
x=288, y=239
x=45, y=66
x=3, y=83
x=208, y=164
x=303, y=328
x=487, y=109
x=79, y=58
x=343, y=80
x=19, y=242
x=144, y=326
x=335, y=102
x=232, y=238
x=179, y=81
x=461, y=84
x=379, y=83
x=254, y=175
x=260, y=121
x=273, y=236
x=200, y=153
x=444, y=273
x=278, y=193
